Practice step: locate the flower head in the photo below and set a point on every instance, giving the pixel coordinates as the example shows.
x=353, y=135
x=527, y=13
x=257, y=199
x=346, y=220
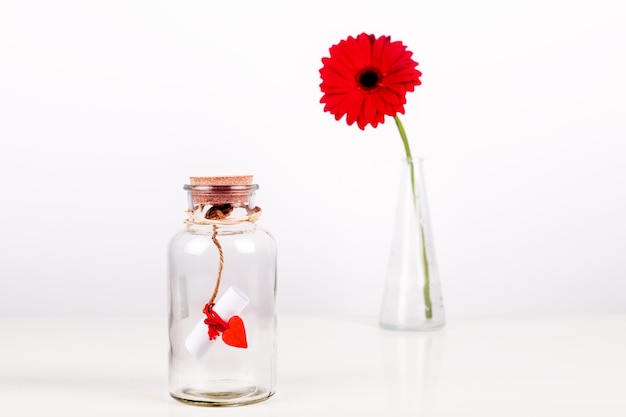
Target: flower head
x=367, y=78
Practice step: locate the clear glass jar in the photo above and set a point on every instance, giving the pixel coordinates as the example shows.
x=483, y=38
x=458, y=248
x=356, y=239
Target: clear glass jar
x=221, y=298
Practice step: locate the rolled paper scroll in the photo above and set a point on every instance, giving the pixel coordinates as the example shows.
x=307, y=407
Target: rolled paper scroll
x=230, y=304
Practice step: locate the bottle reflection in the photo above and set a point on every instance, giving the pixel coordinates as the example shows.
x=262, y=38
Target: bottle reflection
x=412, y=362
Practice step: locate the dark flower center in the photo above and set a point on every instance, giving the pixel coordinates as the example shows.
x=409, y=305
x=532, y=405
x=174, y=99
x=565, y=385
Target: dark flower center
x=369, y=79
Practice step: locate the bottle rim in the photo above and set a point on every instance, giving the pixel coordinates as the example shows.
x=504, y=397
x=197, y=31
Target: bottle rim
x=221, y=188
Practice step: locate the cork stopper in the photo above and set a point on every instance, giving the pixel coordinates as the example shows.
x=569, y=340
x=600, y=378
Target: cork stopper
x=222, y=180
x=221, y=189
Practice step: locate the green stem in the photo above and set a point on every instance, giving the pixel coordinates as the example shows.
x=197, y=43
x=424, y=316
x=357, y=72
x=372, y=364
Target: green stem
x=407, y=151
x=405, y=140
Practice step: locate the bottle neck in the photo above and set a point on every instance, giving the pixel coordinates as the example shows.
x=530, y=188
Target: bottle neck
x=221, y=206
x=223, y=214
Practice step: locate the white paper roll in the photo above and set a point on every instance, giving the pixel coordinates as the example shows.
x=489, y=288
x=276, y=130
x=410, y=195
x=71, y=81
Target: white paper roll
x=230, y=304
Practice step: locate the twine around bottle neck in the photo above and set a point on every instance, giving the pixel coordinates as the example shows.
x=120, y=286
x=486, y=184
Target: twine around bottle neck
x=221, y=217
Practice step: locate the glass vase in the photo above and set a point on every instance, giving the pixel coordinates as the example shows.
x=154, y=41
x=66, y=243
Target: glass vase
x=412, y=298
x=221, y=298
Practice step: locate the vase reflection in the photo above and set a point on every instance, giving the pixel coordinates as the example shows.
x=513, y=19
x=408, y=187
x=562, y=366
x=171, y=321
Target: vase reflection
x=411, y=363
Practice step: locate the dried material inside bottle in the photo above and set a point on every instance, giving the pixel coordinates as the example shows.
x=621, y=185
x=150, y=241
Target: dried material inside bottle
x=226, y=199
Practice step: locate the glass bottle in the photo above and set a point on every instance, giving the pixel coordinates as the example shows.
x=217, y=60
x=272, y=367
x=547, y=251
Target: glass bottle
x=221, y=297
x=412, y=298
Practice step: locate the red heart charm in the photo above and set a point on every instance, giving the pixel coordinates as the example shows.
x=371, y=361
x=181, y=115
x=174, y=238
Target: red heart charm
x=235, y=335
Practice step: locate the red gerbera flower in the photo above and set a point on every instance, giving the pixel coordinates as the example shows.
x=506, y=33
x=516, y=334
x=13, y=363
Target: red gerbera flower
x=367, y=78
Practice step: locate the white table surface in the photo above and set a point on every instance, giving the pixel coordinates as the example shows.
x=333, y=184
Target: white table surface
x=558, y=366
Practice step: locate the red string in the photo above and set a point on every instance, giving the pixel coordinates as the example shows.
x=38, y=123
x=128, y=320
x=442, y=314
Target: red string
x=215, y=322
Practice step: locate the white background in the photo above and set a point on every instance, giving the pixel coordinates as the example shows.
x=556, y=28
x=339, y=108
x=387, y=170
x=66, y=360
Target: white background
x=107, y=107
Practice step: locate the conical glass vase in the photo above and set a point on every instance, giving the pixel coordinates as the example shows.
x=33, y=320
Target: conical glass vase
x=412, y=297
